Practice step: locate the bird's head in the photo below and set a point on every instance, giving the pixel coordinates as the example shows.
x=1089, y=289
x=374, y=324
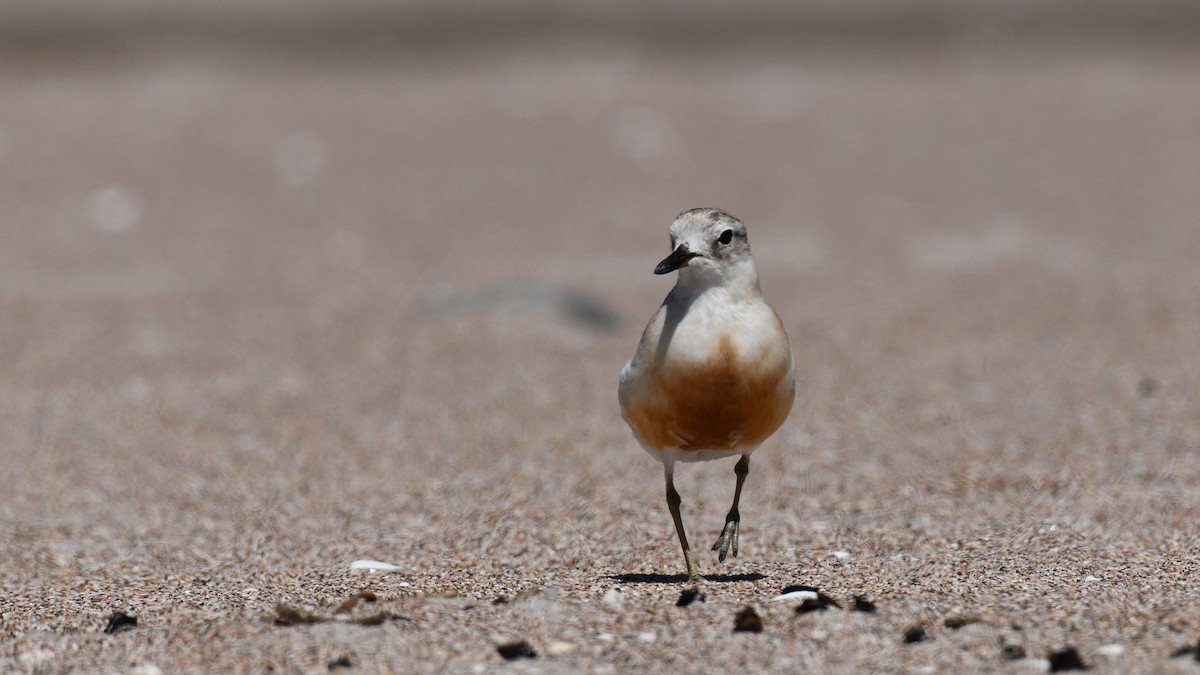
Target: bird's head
x=709, y=244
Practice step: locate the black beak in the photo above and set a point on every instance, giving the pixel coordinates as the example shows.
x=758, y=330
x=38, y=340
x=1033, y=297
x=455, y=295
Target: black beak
x=678, y=258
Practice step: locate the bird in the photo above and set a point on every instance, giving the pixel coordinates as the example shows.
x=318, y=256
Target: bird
x=713, y=374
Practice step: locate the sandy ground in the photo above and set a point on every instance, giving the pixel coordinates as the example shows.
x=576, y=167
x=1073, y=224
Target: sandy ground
x=265, y=315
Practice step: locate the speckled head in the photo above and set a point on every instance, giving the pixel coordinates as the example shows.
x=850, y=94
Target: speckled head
x=709, y=244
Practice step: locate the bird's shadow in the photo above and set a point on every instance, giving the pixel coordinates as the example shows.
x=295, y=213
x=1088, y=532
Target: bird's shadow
x=652, y=578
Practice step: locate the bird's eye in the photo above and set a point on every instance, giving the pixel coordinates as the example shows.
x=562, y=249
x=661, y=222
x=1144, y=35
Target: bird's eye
x=725, y=238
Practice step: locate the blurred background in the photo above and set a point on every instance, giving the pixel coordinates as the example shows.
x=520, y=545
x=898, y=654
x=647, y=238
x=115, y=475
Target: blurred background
x=196, y=144
x=254, y=250
x=378, y=153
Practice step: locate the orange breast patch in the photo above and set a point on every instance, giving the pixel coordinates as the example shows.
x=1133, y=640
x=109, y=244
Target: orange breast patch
x=724, y=403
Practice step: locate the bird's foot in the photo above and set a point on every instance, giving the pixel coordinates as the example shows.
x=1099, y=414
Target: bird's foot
x=727, y=540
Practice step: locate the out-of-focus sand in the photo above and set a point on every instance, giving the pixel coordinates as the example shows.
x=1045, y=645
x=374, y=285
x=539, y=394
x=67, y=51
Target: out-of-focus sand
x=262, y=315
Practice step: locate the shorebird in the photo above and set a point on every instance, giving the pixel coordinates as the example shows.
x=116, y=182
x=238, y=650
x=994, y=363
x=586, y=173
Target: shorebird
x=713, y=374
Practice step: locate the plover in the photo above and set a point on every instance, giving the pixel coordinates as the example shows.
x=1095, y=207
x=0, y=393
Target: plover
x=713, y=374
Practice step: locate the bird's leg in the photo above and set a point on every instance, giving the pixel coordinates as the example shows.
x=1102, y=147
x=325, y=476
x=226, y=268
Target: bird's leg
x=673, y=502
x=729, y=536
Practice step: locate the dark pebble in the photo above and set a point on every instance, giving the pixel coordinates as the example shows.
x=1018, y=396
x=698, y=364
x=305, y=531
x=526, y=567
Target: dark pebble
x=1066, y=658
x=915, y=634
x=817, y=604
x=810, y=605
x=120, y=621
x=1184, y=651
x=862, y=604
x=365, y=596
x=688, y=596
x=959, y=620
x=827, y=601
x=516, y=650
x=1013, y=652
x=747, y=621
x=290, y=616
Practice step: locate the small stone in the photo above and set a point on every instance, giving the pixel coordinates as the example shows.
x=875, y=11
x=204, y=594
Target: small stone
x=862, y=604
x=841, y=555
x=1012, y=652
x=647, y=637
x=145, y=669
x=915, y=634
x=119, y=622
x=817, y=604
x=1184, y=651
x=520, y=596
x=614, y=597
x=290, y=616
x=1066, y=658
x=559, y=648
x=519, y=649
x=348, y=605
x=810, y=605
x=796, y=595
x=747, y=621
x=811, y=598
x=341, y=661
x=1110, y=650
x=373, y=566
x=956, y=621
x=688, y=596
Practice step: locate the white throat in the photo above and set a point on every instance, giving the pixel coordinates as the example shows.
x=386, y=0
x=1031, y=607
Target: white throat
x=738, y=277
